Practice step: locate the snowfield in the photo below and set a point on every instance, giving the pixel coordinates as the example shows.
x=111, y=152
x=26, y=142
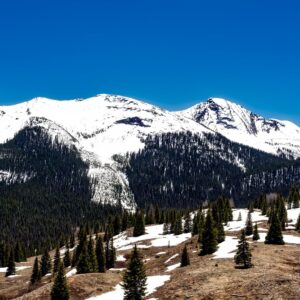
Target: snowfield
x=3, y=270
x=153, y=283
x=154, y=234
x=227, y=248
x=239, y=225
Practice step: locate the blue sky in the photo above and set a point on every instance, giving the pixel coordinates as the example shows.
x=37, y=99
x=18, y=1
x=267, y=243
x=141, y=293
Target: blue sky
x=170, y=53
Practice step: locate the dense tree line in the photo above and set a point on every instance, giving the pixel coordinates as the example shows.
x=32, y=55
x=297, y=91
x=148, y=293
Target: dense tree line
x=183, y=170
x=47, y=195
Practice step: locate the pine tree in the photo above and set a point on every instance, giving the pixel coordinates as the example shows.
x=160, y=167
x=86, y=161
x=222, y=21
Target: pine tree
x=166, y=228
x=60, y=289
x=249, y=226
x=239, y=217
x=185, y=260
x=298, y=224
x=18, y=254
x=135, y=280
x=56, y=260
x=177, y=225
x=209, y=236
x=83, y=265
x=36, y=273
x=195, y=226
x=45, y=263
x=221, y=233
x=201, y=224
x=274, y=235
x=139, y=226
x=92, y=256
x=67, y=258
x=107, y=255
x=72, y=241
x=187, y=223
x=243, y=254
x=255, y=233
x=100, y=255
x=281, y=212
x=112, y=254
x=11, y=268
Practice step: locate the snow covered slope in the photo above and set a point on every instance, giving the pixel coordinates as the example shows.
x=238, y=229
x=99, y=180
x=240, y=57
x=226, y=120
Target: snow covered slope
x=99, y=127
x=241, y=125
x=104, y=125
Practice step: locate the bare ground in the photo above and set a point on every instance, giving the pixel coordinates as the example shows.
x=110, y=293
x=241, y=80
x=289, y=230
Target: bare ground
x=275, y=275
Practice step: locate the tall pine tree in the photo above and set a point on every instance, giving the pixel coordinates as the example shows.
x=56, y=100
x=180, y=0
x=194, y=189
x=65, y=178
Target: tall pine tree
x=100, y=255
x=11, y=268
x=36, y=273
x=209, y=236
x=56, y=260
x=243, y=254
x=139, y=226
x=60, y=289
x=45, y=263
x=274, y=235
x=135, y=280
x=185, y=260
x=249, y=225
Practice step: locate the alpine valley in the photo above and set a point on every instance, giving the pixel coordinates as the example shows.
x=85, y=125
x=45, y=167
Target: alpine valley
x=116, y=152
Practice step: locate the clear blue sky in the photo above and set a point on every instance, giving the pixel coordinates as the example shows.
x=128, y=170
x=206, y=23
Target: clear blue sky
x=171, y=53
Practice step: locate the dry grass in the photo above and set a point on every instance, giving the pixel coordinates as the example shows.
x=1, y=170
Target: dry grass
x=275, y=275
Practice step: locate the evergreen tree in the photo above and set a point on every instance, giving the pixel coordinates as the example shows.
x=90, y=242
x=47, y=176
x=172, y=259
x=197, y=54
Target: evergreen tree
x=112, y=254
x=45, y=263
x=201, y=224
x=139, y=226
x=185, y=260
x=135, y=280
x=274, y=235
x=83, y=265
x=56, y=260
x=177, y=225
x=298, y=223
x=249, y=226
x=166, y=228
x=264, y=205
x=243, y=254
x=221, y=233
x=67, y=258
x=60, y=289
x=239, y=217
x=11, y=267
x=195, y=226
x=72, y=241
x=92, y=256
x=255, y=233
x=107, y=255
x=100, y=255
x=187, y=223
x=36, y=274
x=209, y=236
x=18, y=253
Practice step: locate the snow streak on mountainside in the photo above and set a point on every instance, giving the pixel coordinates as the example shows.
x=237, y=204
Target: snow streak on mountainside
x=244, y=127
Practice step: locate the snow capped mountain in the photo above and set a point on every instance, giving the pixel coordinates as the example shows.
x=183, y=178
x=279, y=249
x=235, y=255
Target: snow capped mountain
x=99, y=127
x=243, y=126
x=105, y=125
